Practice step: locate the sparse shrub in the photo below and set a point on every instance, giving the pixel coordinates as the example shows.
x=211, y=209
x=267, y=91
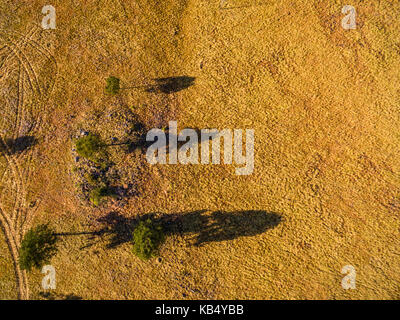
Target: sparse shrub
x=37, y=247
x=91, y=179
x=90, y=147
x=97, y=194
x=112, y=85
x=147, y=238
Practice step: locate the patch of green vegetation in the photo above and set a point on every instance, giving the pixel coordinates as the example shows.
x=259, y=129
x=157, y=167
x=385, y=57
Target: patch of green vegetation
x=37, y=247
x=98, y=193
x=99, y=187
x=91, y=179
x=147, y=238
x=112, y=85
x=96, y=184
x=114, y=134
x=91, y=147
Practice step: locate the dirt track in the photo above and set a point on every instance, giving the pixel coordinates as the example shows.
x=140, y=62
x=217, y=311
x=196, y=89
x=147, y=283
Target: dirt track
x=20, y=75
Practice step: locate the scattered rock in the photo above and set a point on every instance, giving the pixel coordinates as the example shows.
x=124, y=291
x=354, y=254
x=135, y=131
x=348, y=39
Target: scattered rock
x=84, y=133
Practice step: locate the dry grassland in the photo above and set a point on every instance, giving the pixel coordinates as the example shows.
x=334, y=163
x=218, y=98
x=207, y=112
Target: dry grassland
x=324, y=104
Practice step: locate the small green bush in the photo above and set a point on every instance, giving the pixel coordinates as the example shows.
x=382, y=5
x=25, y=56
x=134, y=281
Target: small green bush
x=37, y=247
x=90, y=147
x=91, y=179
x=112, y=85
x=147, y=238
x=97, y=194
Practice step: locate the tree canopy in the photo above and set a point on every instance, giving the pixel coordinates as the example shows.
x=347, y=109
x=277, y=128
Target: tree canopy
x=112, y=85
x=89, y=147
x=147, y=238
x=37, y=247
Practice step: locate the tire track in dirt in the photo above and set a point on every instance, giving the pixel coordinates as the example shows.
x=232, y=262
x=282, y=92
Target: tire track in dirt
x=12, y=237
x=45, y=53
x=16, y=218
x=20, y=188
x=30, y=72
x=21, y=89
x=28, y=68
x=24, y=61
x=12, y=243
x=20, y=191
x=25, y=221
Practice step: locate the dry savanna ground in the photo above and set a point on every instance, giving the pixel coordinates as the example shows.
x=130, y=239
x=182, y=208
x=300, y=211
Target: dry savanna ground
x=324, y=103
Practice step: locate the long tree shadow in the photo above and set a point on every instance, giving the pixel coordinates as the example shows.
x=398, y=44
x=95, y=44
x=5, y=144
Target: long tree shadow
x=204, y=227
x=17, y=145
x=224, y=5
x=165, y=85
x=139, y=140
x=171, y=84
x=189, y=142
x=58, y=296
x=200, y=226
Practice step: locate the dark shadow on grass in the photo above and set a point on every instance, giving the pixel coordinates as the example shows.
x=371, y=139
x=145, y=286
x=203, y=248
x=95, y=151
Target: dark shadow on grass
x=189, y=142
x=140, y=142
x=171, y=84
x=136, y=140
x=70, y=234
x=203, y=227
x=165, y=85
x=224, y=5
x=58, y=296
x=200, y=227
x=18, y=145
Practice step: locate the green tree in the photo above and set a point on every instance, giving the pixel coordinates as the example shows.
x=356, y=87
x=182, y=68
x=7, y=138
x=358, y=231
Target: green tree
x=37, y=247
x=112, y=85
x=90, y=147
x=147, y=238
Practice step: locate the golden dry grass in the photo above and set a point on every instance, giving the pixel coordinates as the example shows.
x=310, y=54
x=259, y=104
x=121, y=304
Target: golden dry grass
x=324, y=104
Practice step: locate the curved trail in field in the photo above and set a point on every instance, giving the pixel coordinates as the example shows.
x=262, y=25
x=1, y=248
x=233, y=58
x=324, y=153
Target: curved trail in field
x=15, y=216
